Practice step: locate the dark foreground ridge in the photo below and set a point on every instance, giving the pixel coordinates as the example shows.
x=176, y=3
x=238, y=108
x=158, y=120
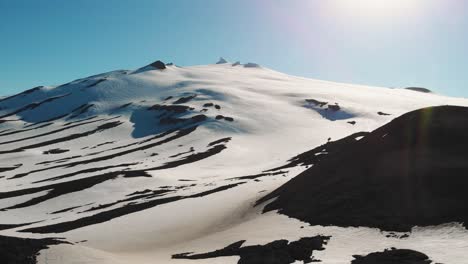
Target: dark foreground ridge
x=15, y=250
x=276, y=252
x=393, y=256
x=410, y=172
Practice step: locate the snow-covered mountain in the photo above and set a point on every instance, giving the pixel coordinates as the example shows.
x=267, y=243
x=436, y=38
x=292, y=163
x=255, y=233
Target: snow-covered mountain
x=138, y=166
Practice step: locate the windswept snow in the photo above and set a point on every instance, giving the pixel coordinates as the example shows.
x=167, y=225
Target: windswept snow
x=164, y=161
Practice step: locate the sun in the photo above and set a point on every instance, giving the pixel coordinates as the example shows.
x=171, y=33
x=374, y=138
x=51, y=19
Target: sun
x=377, y=8
x=379, y=4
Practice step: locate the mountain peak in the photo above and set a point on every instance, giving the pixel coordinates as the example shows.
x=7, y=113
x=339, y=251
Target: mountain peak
x=158, y=65
x=221, y=61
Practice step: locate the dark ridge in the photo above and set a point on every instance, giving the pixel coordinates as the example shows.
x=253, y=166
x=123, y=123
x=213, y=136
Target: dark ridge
x=184, y=100
x=96, y=83
x=32, y=90
x=90, y=170
x=6, y=130
x=46, y=121
x=180, y=133
x=140, y=192
x=208, y=105
x=383, y=114
x=99, y=129
x=168, y=98
x=118, y=212
x=191, y=158
x=253, y=177
x=315, y=155
x=183, y=153
x=34, y=105
x=59, y=189
x=5, y=169
x=158, y=65
x=52, y=132
x=86, y=119
x=69, y=209
x=219, y=141
x=55, y=151
x=330, y=112
x=9, y=120
x=334, y=107
x=133, y=197
x=11, y=226
x=79, y=107
x=81, y=111
x=393, y=256
x=58, y=160
x=276, y=252
x=179, y=121
x=14, y=250
x=123, y=106
x=316, y=102
x=228, y=118
x=409, y=172
x=419, y=89
x=111, y=149
x=103, y=144
x=170, y=108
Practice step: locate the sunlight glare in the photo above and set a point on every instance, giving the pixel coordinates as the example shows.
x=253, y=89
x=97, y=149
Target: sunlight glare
x=378, y=8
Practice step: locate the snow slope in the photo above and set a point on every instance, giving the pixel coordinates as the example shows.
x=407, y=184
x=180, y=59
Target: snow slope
x=149, y=163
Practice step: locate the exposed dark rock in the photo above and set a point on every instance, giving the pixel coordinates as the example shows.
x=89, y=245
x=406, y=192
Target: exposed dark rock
x=55, y=151
x=184, y=100
x=334, y=107
x=383, y=114
x=254, y=177
x=208, y=105
x=393, y=256
x=14, y=167
x=120, y=211
x=171, y=108
x=352, y=122
x=419, y=89
x=158, y=65
x=80, y=110
x=229, y=119
x=316, y=102
x=217, y=107
x=221, y=61
x=99, y=129
x=276, y=252
x=124, y=106
x=15, y=250
x=251, y=65
x=409, y=172
x=219, y=141
x=219, y=117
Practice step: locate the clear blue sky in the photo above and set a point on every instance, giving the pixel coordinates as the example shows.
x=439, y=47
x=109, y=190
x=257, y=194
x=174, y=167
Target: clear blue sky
x=390, y=43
